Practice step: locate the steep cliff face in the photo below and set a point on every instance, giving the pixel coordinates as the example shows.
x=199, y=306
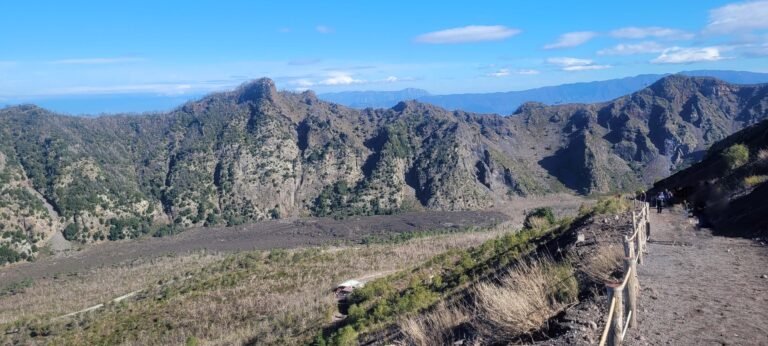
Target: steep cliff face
x=255, y=153
x=643, y=137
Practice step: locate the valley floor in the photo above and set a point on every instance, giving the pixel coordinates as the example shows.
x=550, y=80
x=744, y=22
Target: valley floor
x=700, y=289
x=259, y=236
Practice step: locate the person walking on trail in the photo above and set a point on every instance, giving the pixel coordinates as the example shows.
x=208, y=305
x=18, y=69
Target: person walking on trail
x=660, y=201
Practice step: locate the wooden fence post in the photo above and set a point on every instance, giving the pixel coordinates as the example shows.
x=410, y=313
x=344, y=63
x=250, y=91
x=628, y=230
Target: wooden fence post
x=630, y=267
x=615, y=291
x=629, y=250
x=640, y=241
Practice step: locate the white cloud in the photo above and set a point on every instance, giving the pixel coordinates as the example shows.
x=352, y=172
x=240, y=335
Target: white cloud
x=741, y=16
x=324, y=29
x=340, y=78
x=633, y=32
x=391, y=79
x=632, y=48
x=506, y=72
x=471, y=33
x=334, y=78
x=97, y=61
x=572, y=39
x=678, y=55
x=585, y=67
x=500, y=73
x=304, y=83
x=575, y=64
x=527, y=72
x=285, y=30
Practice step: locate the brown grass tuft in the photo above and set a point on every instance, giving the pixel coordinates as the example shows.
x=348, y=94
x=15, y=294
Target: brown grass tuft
x=526, y=297
x=605, y=261
x=755, y=180
x=436, y=327
x=762, y=156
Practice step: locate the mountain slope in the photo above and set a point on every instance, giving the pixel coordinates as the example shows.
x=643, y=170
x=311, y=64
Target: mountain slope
x=728, y=192
x=255, y=153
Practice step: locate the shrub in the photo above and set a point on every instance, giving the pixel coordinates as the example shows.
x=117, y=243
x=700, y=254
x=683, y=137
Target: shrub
x=346, y=336
x=8, y=255
x=539, y=218
x=70, y=232
x=755, y=180
x=736, y=155
x=192, y=341
x=611, y=205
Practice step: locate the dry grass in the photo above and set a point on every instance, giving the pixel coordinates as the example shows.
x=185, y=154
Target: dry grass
x=436, y=327
x=282, y=297
x=526, y=297
x=53, y=297
x=603, y=262
x=762, y=156
x=537, y=222
x=755, y=180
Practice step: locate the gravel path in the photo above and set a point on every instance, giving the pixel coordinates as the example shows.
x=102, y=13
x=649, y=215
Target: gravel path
x=699, y=289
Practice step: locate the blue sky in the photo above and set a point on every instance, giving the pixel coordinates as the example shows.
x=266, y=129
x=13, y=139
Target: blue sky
x=172, y=48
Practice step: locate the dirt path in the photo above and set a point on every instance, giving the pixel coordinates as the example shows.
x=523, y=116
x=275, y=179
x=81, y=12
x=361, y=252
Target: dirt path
x=699, y=289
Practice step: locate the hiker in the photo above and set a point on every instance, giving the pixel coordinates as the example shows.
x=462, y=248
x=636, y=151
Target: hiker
x=660, y=201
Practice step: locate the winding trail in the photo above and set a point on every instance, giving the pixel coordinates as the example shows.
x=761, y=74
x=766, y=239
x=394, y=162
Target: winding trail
x=700, y=289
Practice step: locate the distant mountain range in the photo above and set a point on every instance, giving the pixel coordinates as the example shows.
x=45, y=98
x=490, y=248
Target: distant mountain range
x=255, y=153
x=505, y=103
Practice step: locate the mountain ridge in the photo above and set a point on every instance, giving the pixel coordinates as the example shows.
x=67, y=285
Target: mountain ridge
x=256, y=153
x=506, y=102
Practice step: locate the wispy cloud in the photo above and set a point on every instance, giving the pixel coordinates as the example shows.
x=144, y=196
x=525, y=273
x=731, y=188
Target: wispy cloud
x=506, y=72
x=324, y=29
x=97, y=61
x=471, y=33
x=678, y=55
x=500, y=73
x=738, y=17
x=395, y=79
x=154, y=88
x=633, y=48
x=634, y=32
x=572, y=39
x=576, y=64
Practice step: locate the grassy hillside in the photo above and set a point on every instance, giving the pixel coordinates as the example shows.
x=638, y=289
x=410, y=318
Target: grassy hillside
x=284, y=297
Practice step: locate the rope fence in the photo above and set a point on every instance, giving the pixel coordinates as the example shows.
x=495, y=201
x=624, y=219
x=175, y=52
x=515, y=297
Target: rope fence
x=622, y=296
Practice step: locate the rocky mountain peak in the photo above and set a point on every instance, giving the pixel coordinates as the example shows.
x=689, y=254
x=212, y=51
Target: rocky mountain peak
x=263, y=88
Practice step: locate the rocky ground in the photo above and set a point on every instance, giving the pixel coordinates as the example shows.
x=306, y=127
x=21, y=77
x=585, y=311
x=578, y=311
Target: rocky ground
x=700, y=289
x=696, y=289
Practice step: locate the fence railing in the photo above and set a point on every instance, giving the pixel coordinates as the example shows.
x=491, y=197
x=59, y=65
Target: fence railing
x=622, y=296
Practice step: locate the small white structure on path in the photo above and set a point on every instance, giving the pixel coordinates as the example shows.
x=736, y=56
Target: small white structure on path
x=344, y=289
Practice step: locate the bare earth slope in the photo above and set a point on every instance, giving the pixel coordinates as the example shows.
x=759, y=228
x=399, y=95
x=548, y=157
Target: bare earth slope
x=700, y=289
